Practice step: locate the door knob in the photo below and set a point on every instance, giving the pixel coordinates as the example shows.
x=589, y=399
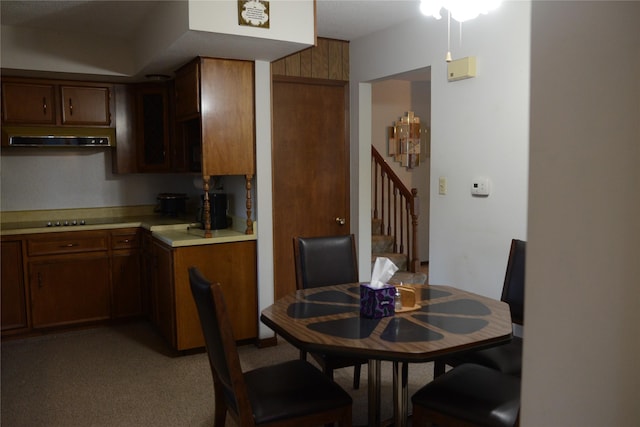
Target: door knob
x=340, y=221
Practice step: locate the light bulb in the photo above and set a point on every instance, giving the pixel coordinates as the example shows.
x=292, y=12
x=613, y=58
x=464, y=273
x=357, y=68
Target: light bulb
x=431, y=8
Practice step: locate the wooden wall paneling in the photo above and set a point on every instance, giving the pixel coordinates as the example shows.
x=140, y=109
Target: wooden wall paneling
x=319, y=63
x=278, y=67
x=334, y=59
x=292, y=65
x=345, y=61
x=305, y=63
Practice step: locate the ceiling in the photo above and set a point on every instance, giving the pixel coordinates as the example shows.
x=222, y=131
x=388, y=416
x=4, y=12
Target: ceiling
x=336, y=19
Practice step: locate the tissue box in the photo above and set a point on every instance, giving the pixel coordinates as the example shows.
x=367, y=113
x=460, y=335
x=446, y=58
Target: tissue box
x=377, y=302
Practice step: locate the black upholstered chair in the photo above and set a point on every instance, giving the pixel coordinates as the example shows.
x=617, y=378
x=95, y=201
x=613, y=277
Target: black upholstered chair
x=324, y=261
x=292, y=393
x=468, y=395
x=506, y=358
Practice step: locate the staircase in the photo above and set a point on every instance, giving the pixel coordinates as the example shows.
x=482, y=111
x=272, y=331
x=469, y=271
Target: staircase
x=394, y=222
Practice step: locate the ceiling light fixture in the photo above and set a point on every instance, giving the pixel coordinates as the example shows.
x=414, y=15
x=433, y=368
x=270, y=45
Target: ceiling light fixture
x=460, y=10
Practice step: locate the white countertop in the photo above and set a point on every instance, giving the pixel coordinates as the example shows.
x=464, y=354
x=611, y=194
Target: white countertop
x=175, y=232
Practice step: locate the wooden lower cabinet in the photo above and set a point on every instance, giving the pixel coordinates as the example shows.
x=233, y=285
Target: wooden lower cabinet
x=13, y=298
x=69, y=289
x=233, y=265
x=126, y=286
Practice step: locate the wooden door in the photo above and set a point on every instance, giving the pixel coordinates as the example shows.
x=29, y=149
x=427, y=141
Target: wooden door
x=310, y=167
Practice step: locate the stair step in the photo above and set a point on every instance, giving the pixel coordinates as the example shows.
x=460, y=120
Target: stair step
x=380, y=243
x=376, y=226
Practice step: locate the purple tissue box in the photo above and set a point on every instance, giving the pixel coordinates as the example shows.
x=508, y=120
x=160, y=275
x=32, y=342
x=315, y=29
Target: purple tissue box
x=376, y=303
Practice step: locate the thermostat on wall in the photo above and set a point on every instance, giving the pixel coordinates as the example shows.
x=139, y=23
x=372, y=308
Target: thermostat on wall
x=480, y=187
x=463, y=68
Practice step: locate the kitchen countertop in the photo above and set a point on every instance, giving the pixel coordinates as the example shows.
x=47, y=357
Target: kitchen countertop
x=174, y=231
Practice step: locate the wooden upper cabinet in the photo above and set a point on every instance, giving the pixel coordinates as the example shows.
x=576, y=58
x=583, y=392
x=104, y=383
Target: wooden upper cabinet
x=187, y=91
x=228, y=117
x=153, y=138
x=55, y=102
x=86, y=105
x=24, y=103
x=216, y=115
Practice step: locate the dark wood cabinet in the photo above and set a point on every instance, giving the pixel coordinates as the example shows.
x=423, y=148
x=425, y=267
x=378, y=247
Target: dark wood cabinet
x=187, y=91
x=56, y=102
x=231, y=264
x=14, y=298
x=215, y=115
x=86, y=105
x=69, y=278
x=69, y=289
x=26, y=103
x=162, y=290
x=152, y=130
x=145, y=131
x=126, y=286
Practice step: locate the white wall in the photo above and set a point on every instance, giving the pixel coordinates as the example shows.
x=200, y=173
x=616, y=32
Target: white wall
x=583, y=261
x=78, y=178
x=479, y=127
x=392, y=99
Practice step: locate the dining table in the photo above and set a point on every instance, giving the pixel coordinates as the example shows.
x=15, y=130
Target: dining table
x=442, y=321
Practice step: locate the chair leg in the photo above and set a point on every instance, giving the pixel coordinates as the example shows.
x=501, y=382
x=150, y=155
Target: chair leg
x=438, y=368
x=356, y=376
x=328, y=372
x=220, y=412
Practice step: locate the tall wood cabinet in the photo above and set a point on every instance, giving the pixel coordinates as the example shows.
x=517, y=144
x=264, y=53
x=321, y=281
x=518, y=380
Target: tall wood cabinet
x=215, y=115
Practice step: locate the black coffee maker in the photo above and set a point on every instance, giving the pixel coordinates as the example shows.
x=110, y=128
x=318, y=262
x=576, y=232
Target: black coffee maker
x=218, y=210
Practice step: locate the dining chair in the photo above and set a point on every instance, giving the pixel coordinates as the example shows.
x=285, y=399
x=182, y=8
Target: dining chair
x=468, y=395
x=506, y=358
x=286, y=394
x=324, y=261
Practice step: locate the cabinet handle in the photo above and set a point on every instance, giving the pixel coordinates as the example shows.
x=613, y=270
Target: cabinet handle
x=69, y=245
x=39, y=280
x=124, y=241
x=44, y=106
x=70, y=107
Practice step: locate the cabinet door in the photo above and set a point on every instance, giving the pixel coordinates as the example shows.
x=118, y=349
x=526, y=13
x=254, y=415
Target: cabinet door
x=187, y=91
x=162, y=285
x=233, y=265
x=153, y=129
x=69, y=289
x=86, y=105
x=125, y=282
x=14, y=309
x=26, y=103
x=228, y=124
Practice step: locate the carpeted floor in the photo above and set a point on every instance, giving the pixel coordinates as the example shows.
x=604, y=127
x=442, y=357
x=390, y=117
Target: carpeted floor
x=125, y=376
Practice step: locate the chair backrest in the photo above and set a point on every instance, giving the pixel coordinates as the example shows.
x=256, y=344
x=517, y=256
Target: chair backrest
x=513, y=288
x=221, y=346
x=323, y=261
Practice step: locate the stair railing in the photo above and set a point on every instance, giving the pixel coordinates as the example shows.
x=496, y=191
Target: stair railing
x=397, y=208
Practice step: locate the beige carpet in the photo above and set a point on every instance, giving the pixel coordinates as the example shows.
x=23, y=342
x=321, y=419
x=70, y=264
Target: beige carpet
x=125, y=376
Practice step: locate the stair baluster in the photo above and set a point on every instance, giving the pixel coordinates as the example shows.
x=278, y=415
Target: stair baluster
x=401, y=209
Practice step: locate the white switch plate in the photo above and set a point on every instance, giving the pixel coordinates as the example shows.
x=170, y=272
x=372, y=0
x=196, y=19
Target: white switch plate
x=442, y=185
x=480, y=187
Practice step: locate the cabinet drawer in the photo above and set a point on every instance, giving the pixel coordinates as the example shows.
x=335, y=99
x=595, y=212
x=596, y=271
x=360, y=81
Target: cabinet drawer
x=125, y=239
x=67, y=243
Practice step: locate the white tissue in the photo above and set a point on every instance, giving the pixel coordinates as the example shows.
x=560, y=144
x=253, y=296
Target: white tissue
x=383, y=269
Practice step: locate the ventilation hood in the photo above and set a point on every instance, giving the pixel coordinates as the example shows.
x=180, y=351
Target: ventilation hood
x=32, y=136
